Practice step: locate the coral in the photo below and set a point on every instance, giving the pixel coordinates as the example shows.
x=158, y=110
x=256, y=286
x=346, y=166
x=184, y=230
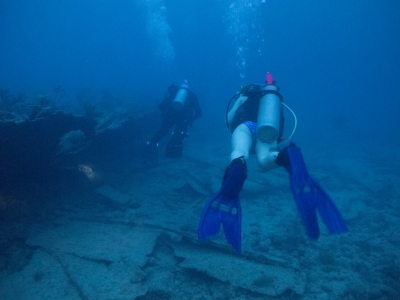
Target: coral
x=71, y=141
x=10, y=102
x=45, y=101
x=91, y=110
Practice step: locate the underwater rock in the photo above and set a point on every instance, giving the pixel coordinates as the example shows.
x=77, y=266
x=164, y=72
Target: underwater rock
x=28, y=147
x=42, y=278
x=6, y=116
x=118, y=138
x=112, y=121
x=72, y=142
x=96, y=280
x=117, y=197
x=98, y=241
x=83, y=260
x=201, y=184
x=267, y=279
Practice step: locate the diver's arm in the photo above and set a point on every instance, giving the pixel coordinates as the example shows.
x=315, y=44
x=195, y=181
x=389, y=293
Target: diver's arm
x=235, y=107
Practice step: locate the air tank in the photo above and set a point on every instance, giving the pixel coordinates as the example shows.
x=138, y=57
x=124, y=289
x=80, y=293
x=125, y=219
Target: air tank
x=268, y=121
x=180, y=97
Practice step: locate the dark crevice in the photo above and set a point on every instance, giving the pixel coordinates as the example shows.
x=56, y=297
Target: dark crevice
x=106, y=262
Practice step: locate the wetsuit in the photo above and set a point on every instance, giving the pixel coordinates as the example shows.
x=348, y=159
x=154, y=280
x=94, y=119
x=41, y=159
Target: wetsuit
x=181, y=119
x=247, y=113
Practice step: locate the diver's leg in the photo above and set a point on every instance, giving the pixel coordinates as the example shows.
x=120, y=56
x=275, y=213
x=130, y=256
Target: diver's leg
x=175, y=145
x=181, y=129
x=266, y=155
x=166, y=125
x=150, y=155
x=241, y=142
x=224, y=206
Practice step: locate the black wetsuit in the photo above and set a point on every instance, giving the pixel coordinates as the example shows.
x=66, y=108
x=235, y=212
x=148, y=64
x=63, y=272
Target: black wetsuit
x=181, y=119
x=248, y=111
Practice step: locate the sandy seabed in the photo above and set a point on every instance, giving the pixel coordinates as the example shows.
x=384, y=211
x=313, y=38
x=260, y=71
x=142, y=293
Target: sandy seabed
x=134, y=234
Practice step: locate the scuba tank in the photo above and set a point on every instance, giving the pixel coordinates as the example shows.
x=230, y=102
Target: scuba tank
x=268, y=120
x=270, y=114
x=181, y=96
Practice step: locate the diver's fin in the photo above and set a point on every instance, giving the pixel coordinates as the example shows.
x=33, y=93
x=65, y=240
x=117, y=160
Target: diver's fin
x=224, y=208
x=309, y=195
x=232, y=223
x=221, y=209
x=329, y=213
x=174, y=147
x=306, y=203
x=149, y=157
x=210, y=221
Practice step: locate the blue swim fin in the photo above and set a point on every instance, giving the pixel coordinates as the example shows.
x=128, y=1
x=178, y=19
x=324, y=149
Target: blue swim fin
x=309, y=195
x=224, y=207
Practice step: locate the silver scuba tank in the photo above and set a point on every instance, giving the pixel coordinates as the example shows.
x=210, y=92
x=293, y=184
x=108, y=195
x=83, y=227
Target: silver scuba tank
x=269, y=112
x=180, y=97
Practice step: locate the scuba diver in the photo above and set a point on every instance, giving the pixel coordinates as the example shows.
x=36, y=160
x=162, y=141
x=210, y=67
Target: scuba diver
x=180, y=107
x=256, y=120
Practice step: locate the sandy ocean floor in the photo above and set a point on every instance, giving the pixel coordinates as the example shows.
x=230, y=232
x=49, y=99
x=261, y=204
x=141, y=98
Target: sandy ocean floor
x=134, y=235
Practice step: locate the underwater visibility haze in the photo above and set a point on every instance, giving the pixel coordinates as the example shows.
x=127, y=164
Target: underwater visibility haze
x=80, y=83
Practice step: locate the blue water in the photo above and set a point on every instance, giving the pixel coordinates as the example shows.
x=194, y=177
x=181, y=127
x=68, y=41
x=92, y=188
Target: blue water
x=337, y=62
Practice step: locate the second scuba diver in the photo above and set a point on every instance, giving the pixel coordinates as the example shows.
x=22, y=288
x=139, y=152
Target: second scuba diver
x=256, y=119
x=180, y=107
